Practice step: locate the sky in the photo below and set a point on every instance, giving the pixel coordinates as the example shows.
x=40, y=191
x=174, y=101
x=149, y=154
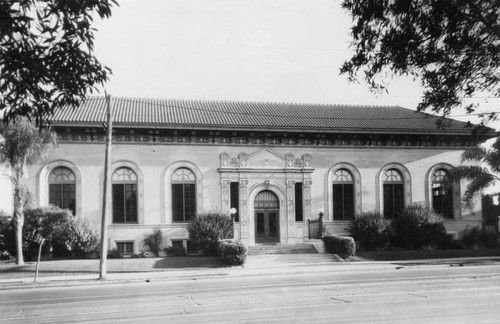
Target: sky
x=245, y=50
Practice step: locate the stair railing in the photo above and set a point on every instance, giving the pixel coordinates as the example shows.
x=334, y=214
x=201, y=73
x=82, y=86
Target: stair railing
x=315, y=227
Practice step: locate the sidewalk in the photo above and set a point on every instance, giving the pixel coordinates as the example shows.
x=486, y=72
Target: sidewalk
x=256, y=265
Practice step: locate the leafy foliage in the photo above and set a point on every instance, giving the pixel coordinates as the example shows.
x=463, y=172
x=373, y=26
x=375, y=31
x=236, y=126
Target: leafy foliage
x=233, y=252
x=79, y=237
x=452, y=45
x=153, y=242
x=417, y=226
x=6, y=234
x=343, y=246
x=46, y=54
x=139, y=255
x=479, y=177
x=43, y=223
x=114, y=254
x=64, y=234
x=23, y=144
x=476, y=237
x=490, y=211
x=4, y=255
x=371, y=230
x=175, y=251
x=207, y=229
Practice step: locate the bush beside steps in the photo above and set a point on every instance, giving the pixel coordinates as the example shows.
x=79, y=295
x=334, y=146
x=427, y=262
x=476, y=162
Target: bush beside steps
x=343, y=246
x=233, y=252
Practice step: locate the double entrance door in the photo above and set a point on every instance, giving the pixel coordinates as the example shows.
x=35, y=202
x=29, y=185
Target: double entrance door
x=267, y=226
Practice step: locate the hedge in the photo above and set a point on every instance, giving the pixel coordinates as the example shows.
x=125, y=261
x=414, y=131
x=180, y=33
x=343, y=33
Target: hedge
x=343, y=246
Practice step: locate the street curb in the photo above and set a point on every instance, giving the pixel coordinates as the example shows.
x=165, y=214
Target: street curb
x=249, y=271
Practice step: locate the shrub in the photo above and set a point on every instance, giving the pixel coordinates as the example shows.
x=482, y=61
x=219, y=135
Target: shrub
x=476, y=237
x=65, y=235
x=79, y=237
x=7, y=237
x=417, y=226
x=488, y=240
x=114, y=254
x=371, y=230
x=207, y=229
x=139, y=255
x=153, y=242
x=4, y=255
x=343, y=246
x=175, y=251
x=233, y=252
x=43, y=223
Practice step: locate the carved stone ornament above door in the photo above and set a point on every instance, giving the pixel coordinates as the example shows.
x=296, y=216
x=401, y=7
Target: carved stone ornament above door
x=265, y=159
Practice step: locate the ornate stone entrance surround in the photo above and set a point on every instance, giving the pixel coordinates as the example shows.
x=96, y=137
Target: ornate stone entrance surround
x=267, y=170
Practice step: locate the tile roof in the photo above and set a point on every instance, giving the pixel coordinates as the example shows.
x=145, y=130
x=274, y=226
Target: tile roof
x=137, y=112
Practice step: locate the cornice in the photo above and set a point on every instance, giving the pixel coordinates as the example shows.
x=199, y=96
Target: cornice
x=243, y=138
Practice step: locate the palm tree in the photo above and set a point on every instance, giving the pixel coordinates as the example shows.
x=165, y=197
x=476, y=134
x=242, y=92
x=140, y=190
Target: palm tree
x=483, y=174
x=22, y=144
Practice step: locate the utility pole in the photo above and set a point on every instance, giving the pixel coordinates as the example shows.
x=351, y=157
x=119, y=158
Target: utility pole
x=106, y=192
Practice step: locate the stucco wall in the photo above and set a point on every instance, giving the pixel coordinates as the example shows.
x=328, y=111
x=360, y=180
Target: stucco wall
x=153, y=161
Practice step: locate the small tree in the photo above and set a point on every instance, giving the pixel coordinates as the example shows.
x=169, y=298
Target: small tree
x=43, y=223
x=22, y=144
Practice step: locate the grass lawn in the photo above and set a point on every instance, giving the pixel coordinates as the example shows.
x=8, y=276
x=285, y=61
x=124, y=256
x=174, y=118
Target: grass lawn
x=8, y=269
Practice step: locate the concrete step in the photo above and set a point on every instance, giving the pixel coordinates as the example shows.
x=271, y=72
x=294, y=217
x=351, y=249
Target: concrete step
x=281, y=249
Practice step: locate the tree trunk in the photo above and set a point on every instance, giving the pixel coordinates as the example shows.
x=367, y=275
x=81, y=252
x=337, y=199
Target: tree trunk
x=18, y=224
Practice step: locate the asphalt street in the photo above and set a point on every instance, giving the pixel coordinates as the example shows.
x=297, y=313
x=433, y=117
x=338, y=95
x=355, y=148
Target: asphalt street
x=387, y=293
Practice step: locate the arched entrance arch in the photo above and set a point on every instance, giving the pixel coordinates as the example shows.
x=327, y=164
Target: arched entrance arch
x=266, y=209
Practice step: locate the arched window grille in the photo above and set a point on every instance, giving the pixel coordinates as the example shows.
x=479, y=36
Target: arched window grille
x=343, y=195
x=393, y=187
x=266, y=199
x=124, y=185
x=442, y=195
x=62, y=186
x=183, y=195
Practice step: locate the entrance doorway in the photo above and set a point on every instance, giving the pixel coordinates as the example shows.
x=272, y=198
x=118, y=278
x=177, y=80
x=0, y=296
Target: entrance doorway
x=266, y=206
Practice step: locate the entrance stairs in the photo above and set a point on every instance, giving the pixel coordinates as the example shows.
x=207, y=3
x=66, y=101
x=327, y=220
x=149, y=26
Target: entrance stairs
x=281, y=249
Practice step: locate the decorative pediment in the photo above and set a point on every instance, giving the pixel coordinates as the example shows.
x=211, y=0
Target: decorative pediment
x=265, y=159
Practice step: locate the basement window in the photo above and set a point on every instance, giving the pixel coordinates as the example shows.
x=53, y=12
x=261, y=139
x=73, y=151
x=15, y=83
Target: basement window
x=125, y=248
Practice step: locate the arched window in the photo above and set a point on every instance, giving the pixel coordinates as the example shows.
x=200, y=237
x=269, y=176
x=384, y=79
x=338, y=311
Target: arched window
x=343, y=195
x=62, y=183
x=183, y=195
x=442, y=196
x=393, y=187
x=124, y=182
